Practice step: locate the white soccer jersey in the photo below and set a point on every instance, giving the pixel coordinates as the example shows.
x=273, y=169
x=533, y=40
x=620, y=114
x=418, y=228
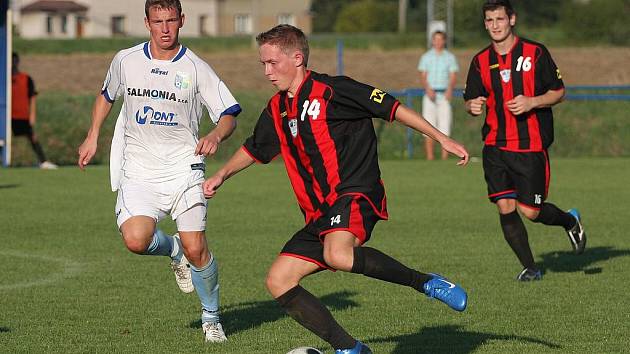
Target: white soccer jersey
x=161, y=111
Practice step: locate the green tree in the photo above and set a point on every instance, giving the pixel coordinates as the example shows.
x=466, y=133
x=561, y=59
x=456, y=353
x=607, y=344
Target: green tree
x=368, y=16
x=325, y=14
x=468, y=20
x=598, y=21
x=538, y=13
x=417, y=16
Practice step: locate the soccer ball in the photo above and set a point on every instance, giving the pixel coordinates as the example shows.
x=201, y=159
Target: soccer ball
x=305, y=350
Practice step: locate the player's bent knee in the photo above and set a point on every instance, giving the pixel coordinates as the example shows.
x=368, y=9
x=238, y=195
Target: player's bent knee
x=197, y=254
x=195, y=247
x=136, y=245
x=531, y=214
x=338, y=260
x=506, y=206
x=136, y=241
x=278, y=285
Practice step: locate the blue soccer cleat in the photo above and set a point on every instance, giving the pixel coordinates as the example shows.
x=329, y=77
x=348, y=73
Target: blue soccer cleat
x=359, y=348
x=577, y=236
x=449, y=293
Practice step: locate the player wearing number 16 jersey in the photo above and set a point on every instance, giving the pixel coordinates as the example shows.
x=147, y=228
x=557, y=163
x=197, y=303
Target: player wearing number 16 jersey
x=322, y=128
x=518, y=82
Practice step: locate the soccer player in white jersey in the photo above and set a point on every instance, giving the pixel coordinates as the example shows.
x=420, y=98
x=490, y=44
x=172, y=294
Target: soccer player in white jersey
x=157, y=157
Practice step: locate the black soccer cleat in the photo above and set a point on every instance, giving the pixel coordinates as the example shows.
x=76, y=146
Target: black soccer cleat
x=529, y=274
x=577, y=235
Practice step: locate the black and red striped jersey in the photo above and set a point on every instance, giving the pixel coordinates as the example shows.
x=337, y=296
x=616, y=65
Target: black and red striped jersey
x=327, y=141
x=528, y=70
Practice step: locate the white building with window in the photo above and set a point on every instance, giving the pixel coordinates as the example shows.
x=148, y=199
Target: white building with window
x=52, y=19
x=108, y=18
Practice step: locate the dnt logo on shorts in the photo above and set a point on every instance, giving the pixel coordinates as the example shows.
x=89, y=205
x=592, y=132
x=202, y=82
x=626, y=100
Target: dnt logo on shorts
x=293, y=127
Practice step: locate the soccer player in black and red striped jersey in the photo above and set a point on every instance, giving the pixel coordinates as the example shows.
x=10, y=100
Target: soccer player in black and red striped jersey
x=322, y=127
x=518, y=82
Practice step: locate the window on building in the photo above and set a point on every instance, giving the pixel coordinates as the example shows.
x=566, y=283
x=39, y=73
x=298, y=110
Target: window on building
x=203, y=19
x=64, y=23
x=243, y=24
x=118, y=25
x=287, y=19
x=49, y=24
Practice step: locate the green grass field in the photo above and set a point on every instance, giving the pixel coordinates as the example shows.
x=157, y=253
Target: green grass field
x=68, y=285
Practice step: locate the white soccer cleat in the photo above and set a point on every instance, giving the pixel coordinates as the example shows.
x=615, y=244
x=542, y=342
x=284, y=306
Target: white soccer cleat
x=183, y=275
x=213, y=332
x=47, y=165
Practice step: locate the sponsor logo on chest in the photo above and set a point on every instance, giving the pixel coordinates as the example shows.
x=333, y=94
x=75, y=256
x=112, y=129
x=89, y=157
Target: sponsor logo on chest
x=155, y=117
x=182, y=80
x=154, y=94
x=158, y=71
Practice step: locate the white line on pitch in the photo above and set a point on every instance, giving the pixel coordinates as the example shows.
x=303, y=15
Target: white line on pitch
x=70, y=269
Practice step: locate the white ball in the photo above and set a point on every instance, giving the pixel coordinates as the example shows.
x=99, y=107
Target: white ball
x=305, y=350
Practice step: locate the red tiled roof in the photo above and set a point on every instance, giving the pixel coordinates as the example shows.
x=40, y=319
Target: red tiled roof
x=54, y=6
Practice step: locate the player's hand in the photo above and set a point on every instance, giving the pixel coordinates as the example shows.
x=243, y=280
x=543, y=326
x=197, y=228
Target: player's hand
x=448, y=94
x=520, y=104
x=87, y=150
x=208, y=145
x=211, y=185
x=431, y=94
x=475, y=106
x=457, y=149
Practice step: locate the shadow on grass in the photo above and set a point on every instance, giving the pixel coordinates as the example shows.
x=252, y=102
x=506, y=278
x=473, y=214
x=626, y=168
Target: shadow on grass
x=568, y=262
x=249, y=315
x=5, y=329
x=7, y=186
x=450, y=339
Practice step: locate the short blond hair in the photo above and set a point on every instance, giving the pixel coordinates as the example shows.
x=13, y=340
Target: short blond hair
x=286, y=37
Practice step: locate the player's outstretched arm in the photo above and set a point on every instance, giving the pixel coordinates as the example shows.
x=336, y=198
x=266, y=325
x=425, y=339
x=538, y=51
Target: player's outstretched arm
x=413, y=120
x=99, y=114
x=238, y=162
x=209, y=144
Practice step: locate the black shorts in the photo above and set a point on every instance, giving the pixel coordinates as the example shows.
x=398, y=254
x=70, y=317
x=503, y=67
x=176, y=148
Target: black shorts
x=523, y=176
x=21, y=127
x=353, y=213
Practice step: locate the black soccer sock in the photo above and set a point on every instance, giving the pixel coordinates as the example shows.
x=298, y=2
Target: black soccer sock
x=38, y=151
x=308, y=311
x=516, y=236
x=376, y=264
x=552, y=215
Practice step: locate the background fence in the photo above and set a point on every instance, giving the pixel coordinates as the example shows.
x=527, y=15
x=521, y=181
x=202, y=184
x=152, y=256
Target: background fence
x=574, y=93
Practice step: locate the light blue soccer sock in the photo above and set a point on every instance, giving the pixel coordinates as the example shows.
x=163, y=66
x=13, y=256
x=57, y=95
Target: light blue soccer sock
x=161, y=244
x=177, y=251
x=206, y=282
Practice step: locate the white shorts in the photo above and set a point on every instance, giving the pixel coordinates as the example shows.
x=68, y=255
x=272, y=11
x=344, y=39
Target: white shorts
x=182, y=198
x=438, y=113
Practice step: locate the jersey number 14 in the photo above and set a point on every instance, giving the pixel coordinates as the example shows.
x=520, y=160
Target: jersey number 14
x=311, y=108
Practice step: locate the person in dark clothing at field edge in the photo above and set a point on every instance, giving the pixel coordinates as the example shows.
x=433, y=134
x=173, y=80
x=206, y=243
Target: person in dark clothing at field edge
x=23, y=110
